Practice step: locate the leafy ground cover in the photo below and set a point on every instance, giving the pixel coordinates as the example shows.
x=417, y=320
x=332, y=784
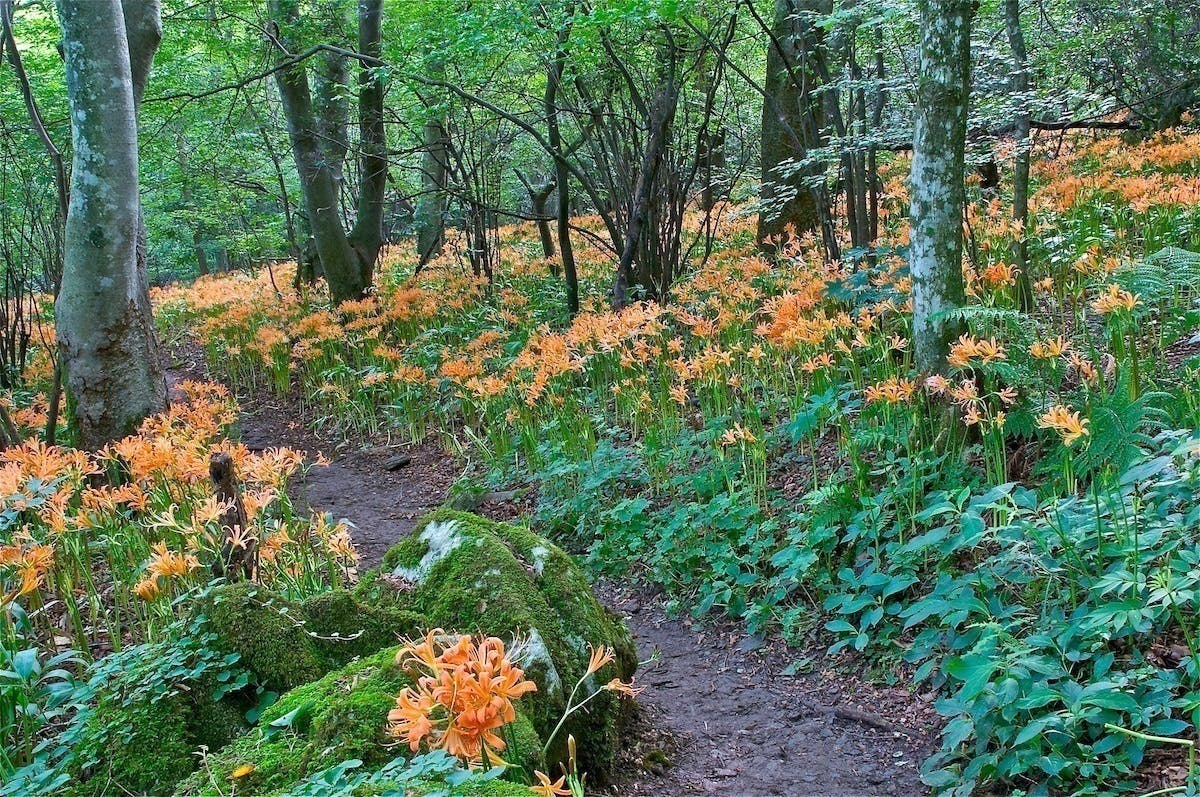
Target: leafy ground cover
x=1020, y=532
x=1017, y=536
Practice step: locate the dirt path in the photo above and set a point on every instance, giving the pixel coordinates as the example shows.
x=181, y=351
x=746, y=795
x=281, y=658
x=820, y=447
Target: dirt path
x=740, y=725
x=720, y=715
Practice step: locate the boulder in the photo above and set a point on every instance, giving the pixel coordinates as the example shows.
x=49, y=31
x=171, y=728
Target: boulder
x=341, y=717
x=465, y=573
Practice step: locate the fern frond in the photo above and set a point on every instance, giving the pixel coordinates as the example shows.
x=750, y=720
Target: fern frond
x=1160, y=276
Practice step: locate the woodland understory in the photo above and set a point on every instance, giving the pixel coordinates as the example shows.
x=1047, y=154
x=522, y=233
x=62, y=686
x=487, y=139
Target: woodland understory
x=431, y=398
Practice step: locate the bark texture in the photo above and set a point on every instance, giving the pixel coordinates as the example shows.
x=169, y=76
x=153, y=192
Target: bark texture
x=367, y=234
x=1016, y=41
x=792, y=116
x=430, y=214
x=347, y=259
x=103, y=318
x=937, y=190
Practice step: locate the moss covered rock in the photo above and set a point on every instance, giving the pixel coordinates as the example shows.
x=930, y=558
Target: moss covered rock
x=340, y=717
x=465, y=573
x=342, y=627
x=142, y=747
x=265, y=630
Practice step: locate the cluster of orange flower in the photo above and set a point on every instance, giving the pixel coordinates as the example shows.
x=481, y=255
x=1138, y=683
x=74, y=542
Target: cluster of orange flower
x=1142, y=175
x=1115, y=298
x=158, y=519
x=463, y=694
x=737, y=325
x=1067, y=423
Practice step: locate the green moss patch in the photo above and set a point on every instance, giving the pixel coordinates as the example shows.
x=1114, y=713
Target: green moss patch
x=265, y=630
x=340, y=717
x=342, y=627
x=146, y=746
x=463, y=572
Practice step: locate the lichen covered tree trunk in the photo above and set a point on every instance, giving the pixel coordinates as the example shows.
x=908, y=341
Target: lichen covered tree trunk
x=347, y=260
x=317, y=182
x=1020, y=85
x=791, y=116
x=937, y=189
x=102, y=314
x=367, y=234
x=431, y=204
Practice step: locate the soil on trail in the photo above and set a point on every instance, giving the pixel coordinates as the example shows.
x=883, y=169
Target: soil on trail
x=720, y=714
x=722, y=710
x=380, y=490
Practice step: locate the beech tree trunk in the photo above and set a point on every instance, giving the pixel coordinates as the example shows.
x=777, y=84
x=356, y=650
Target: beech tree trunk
x=538, y=196
x=367, y=234
x=792, y=117
x=937, y=190
x=1016, y=41
x=103, y=318
x=347, y=260
x=430, y=215
x=562, y=172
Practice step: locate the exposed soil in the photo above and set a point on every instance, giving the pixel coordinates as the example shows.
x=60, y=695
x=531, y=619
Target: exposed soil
x=719, y=716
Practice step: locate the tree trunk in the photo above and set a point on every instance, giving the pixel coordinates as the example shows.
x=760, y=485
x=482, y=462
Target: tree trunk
x=430, y=214
x=431, y=205
x=339, y=262
x=937, y=191
x=331, y=110
x=367, y=235
x=201, y=255
x=662, y=115
x=711, y=154
x=562, y=171
x=538, y=196
x=103, y=318
x=790, y=107
x=1016, y=40
x=710, y=144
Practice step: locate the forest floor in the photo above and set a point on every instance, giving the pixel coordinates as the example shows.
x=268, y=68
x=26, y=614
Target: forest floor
x=723, y=712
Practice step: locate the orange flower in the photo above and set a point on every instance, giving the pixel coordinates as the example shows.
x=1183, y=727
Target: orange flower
x=1067, y=423
x=738, y=434
x=967, y=348
x=999, y=274
x=622, y=688
x=463, y=694
x=30, y=565
x=600, y=657
x=547, y=788
x=147, y=589
x=1049, y=349
x=891, y=391
x=814, y=364
x=1115, y=298
x=168, y=564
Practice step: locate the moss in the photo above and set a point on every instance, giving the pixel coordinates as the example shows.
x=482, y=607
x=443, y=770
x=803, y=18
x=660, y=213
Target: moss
x=215, y=723
x=470, y=574
x=491, y=788
x=317, y=725
x=345, y=627
x=143, y=747
x=276, y=761
x=266, y=630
